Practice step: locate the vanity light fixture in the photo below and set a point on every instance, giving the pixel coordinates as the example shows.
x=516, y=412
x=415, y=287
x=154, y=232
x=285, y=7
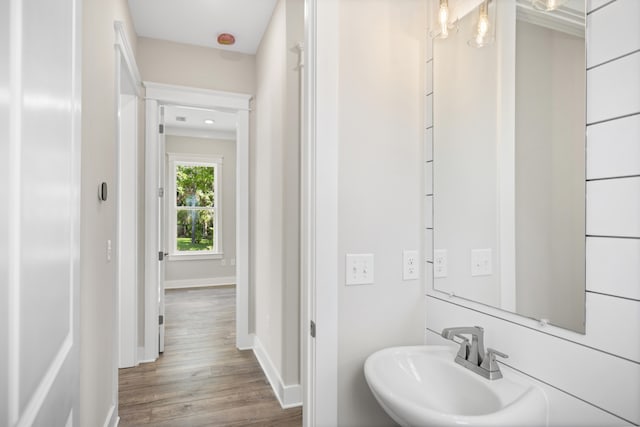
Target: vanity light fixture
x=482, y=30
x=443, y=27
x=547, y=5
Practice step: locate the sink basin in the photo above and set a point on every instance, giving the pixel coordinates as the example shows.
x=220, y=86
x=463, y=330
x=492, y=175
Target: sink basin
x=423, y=386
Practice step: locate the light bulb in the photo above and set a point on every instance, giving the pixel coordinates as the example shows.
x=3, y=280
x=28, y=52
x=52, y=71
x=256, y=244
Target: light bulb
x=483, y=25
x=547, y=5
x=443, y=17
x=482, y=34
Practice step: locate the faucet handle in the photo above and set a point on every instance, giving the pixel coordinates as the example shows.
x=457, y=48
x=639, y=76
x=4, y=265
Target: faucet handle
x=489, y=363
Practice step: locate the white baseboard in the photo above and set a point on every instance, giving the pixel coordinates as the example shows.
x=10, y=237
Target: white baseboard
x=141, y=358
x=112, y=419
x=247, y=342
x=289, y=396
x=199, y=283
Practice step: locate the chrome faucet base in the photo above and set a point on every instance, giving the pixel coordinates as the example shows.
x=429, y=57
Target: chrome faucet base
x=490, y=375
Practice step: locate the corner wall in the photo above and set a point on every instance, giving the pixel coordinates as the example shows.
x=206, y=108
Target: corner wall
x=591, y=379
x=98, y=361
x=275, y=199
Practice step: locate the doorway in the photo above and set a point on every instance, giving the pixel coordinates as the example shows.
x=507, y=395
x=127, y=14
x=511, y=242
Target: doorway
x=236, y=106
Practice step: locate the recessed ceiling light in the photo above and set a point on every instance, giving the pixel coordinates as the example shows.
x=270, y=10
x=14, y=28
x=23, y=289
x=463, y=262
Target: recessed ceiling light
x=226, y=39
x=209, y=121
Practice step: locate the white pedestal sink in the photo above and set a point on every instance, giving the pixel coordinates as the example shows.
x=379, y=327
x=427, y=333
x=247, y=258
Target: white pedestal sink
x=423, y=386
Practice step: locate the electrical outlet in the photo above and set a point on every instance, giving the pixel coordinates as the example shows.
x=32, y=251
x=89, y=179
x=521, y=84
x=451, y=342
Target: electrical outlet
x=410, y=269
x=359, y=269
x=233, y=261
x=440, y=263
x=109, y=250
x=223, y=262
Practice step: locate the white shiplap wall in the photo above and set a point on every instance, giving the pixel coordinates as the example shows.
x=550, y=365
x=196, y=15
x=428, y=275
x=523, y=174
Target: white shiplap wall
x=591, y=379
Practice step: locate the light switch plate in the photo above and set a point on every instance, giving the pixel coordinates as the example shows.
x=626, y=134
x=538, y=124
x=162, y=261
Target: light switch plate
x=481, y=264
x=440, y=263
x=359, y=269
x=410, y=269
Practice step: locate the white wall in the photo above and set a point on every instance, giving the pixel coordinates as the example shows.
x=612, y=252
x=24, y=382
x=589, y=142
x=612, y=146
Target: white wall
x=550, y=170
x=592, y=379
x=465, y=106
x=98, y=387
x=380, y=111
x=181, y=273
x=275, y=197
x=173, y=63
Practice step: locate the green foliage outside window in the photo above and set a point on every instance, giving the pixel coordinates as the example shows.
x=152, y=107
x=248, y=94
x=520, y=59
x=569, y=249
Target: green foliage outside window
x=195, y=202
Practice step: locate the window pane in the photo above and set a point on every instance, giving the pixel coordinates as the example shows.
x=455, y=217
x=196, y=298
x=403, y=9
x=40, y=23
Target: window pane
x=194, y=186
x=195, y=230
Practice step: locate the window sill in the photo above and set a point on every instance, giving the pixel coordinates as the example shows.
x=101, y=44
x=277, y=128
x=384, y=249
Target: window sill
x=194, y=257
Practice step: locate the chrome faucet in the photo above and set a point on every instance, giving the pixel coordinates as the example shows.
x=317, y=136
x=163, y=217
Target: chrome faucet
x=473, y=356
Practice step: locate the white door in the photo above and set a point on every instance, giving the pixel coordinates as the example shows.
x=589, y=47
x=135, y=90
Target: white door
x=39, y=212
x=162, y=240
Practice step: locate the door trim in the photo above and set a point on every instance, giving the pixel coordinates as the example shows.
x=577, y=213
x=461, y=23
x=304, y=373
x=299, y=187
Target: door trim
x=158, y=94
x=126, y=352
x=320, y=214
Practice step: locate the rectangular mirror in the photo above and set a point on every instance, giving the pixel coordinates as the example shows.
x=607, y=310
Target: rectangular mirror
x=509, y=160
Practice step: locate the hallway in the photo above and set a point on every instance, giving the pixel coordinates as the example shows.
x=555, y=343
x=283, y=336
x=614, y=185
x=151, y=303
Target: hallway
x=201, y=379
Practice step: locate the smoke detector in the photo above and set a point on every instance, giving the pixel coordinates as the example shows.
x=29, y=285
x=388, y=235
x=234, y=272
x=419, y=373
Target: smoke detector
x=226, y=39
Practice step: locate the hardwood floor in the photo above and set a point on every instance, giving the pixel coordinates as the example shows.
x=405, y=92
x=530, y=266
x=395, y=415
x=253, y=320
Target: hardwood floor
x=201, y=379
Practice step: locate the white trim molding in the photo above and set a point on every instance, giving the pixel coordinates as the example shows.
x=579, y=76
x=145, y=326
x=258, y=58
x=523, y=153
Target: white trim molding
x=201, y=133
x=289, y=396
x=123, y=45
x=320, y=213
x=200, y=283
x=112, y=419
x=196, y=97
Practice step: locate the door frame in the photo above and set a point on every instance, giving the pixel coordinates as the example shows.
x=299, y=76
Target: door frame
x=158, y=94
x=127, y=353
x=319, y=211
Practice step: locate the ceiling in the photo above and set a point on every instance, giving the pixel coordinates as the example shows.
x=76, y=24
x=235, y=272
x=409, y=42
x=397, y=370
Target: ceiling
x=190, y=121
x=199, y=22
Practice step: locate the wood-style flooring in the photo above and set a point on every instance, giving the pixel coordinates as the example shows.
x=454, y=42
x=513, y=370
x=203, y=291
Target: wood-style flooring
x=201, y=379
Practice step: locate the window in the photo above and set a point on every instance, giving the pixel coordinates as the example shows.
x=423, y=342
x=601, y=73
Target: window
x=194, y=214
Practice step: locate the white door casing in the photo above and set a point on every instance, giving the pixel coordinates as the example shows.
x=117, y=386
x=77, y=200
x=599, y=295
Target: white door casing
x=320, y=213
x=40, y=86
x=162, y=242
x=158, y=95
x=128, y=85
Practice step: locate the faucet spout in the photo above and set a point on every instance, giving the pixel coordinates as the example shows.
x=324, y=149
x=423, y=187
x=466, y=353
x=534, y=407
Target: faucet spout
x=476, y=353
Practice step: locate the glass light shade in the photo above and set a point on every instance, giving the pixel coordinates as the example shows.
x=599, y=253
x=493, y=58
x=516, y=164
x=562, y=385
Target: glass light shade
x=547, y=5
x=443, y=27
x=483, y=33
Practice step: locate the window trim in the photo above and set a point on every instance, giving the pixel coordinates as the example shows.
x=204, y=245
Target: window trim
x=173, y=160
